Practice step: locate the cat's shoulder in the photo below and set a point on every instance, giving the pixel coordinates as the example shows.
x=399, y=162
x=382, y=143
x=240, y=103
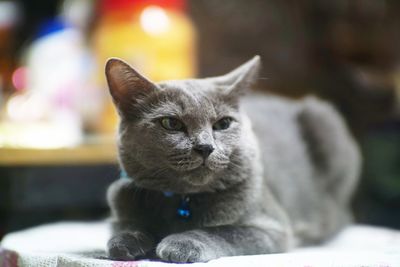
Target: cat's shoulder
x=120, y=189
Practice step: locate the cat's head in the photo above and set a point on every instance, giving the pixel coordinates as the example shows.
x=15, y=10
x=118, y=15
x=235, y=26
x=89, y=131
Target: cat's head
x=182, y=136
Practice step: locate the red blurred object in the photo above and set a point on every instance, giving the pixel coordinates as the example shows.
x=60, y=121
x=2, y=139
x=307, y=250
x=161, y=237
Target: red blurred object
x=107, y=6
x=19, y=78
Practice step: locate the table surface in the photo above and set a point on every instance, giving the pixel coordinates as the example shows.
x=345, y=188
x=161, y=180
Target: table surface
x=92, y=151
x=57, y=243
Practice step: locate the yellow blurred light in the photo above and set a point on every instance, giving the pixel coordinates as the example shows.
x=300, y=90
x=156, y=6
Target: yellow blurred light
x=39, y=135
x=154, y=20
x=25, y=107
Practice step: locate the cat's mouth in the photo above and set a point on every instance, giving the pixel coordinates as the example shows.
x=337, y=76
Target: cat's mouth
x=188, y=164
x=199, y=166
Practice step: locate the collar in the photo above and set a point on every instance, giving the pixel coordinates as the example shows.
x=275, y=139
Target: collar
x=183, y=210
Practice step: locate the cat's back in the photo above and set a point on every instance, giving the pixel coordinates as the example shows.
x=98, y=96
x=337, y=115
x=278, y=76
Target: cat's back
x=305, y=137
x=271, y=114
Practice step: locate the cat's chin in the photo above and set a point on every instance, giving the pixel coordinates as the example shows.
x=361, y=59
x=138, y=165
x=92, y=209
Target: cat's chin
x=198, y=181
x=198, y=177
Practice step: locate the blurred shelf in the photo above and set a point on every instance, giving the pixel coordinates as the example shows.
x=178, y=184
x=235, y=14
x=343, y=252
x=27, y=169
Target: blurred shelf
x=94, y=151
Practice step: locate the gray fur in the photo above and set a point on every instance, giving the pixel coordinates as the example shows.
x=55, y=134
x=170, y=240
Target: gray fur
x=280, y=179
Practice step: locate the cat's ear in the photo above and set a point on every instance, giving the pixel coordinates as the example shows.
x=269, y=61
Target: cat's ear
x=126, y=85
x=238, y=81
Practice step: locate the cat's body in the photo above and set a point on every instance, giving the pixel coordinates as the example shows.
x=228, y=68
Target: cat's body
x=256, y=174
x=309, y=141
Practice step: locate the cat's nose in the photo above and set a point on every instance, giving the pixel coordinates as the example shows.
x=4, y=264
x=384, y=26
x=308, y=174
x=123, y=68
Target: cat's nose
x=204, y=150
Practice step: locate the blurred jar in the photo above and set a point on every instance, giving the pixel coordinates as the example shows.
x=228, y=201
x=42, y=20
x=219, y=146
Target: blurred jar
x=154, y=36
x=9, y=19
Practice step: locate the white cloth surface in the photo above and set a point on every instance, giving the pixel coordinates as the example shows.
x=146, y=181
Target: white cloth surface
x=62, y=244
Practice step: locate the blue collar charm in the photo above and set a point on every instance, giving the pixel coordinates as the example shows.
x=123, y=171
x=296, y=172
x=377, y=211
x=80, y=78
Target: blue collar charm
x=183, y=211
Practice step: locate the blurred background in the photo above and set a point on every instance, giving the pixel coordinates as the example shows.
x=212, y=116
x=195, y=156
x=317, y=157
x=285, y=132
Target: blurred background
x=57, y=122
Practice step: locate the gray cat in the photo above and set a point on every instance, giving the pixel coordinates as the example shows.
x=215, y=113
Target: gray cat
x=214, y=173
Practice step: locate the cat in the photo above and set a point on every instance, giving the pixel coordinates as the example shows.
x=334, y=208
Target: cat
x=213, y=170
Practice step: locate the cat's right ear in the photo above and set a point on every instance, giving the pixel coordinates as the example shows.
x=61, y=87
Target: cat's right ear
x=126, y=85
x=237, y=82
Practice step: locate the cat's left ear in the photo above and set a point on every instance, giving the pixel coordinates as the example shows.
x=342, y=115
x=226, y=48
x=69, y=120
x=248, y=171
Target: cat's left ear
x=238, y=81
x=127, y=86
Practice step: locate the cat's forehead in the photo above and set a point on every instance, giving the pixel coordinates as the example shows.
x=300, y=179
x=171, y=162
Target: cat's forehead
x=192, y=98
x=194, y=88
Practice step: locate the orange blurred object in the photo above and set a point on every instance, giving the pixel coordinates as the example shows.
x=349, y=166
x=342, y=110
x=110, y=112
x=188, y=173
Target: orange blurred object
x=156, y=37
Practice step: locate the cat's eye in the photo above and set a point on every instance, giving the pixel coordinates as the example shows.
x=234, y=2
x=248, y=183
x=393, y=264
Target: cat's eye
x=172, y=124
x=222, y=124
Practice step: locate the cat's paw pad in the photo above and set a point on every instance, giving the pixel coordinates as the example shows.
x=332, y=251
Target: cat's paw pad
x=128, y=246
x=181, y=248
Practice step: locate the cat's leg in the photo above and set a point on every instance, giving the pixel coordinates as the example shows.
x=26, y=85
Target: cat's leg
x=331, y=147
x=213, y=242
x=129, y=239
x=129, y=244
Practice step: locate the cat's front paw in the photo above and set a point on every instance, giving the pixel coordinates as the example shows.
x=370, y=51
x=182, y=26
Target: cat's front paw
x=129, y=246
x=184, y=248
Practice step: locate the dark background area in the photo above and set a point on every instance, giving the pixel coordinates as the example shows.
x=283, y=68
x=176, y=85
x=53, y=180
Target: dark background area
x=345, y=51
x=35, y=195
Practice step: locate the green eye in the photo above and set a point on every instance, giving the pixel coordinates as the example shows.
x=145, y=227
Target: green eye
x=172, y=124
x=222, y=124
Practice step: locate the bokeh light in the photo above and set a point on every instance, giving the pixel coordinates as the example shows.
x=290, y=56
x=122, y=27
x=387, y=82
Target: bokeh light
x=154, y=20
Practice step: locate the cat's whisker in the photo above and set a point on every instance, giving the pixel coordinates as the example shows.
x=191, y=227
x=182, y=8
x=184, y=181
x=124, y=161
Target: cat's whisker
x=156, y=173
x=180, y=153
